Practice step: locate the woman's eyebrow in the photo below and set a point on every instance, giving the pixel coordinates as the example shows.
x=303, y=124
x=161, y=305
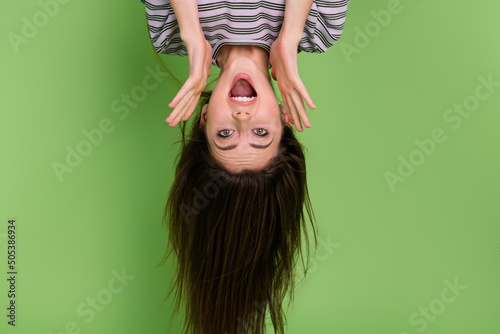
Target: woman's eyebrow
x=230, y=147
x=262, y=146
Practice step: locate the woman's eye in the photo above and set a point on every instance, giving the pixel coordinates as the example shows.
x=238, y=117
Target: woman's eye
x=260, y=132
x=225, y=133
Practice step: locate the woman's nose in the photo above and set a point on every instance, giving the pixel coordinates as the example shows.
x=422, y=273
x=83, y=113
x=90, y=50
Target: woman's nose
x=241, y=115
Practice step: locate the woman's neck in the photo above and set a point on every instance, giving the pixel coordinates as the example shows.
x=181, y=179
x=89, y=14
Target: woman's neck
x=258, y=55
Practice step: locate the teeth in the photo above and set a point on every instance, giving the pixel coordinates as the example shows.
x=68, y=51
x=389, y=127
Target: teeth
x=243, y=98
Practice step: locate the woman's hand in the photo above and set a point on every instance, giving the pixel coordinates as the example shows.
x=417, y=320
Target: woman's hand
x=200, y=59
x=283, y=59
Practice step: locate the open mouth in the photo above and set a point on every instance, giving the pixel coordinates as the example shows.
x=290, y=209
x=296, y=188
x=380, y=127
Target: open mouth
x=242, y=91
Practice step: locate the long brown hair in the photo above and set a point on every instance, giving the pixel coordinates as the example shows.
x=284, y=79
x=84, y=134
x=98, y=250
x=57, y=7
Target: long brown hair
x=236, y=237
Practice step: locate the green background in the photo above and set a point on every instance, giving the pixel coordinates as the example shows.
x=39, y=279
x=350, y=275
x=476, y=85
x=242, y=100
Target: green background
x=384, y=254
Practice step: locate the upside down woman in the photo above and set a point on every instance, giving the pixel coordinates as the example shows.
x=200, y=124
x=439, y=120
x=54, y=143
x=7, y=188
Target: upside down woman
x=238, y=209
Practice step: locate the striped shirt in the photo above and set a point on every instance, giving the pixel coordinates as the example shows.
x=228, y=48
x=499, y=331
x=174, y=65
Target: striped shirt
x=245, y=22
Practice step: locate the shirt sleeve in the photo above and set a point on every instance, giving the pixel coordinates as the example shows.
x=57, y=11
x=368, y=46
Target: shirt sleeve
x=163, y=27
x=324, y=25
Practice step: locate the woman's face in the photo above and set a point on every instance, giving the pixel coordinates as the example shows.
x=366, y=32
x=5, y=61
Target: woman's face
x=243, y=121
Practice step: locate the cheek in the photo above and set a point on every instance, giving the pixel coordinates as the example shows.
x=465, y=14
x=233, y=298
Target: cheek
x=271, y=108
x=216, y=107
x=209, y=132
x=219, y=94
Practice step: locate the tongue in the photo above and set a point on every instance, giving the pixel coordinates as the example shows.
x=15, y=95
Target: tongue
x=242, y=88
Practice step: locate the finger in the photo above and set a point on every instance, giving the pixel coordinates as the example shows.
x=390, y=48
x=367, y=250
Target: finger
x=273, y=73
x=299, y=106
x=295, y=115
x=177, y=113
x=287, y=109
x=191, y=109
x=305, y=95
x=173, y=115
x=177, y=109
x=183, y=111
x=183, y=91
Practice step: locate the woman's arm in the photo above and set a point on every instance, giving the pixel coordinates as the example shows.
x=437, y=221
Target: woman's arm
x=296, y=12
x=200, y=59
x=186, y=13
x=283, y=59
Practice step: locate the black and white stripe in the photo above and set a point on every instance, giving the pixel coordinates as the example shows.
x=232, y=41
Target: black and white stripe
x=245, y=22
